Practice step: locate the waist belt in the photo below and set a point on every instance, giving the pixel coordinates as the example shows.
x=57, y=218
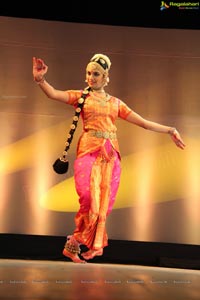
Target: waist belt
x=103, y=134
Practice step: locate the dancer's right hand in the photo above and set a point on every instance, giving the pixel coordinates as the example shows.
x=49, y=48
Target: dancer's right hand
x=39, y=69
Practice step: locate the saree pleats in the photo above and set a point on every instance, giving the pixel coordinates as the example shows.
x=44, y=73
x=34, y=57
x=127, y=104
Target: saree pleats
x=100, y=174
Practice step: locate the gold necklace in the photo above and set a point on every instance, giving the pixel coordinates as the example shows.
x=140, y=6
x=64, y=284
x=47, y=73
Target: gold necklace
x=101, y=99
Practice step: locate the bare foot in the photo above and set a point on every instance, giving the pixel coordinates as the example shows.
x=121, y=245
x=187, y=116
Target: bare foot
x=73, y=256
x=92, y=253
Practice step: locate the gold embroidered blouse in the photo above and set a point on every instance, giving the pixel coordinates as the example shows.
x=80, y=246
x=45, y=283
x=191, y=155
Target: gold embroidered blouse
x=99, y=116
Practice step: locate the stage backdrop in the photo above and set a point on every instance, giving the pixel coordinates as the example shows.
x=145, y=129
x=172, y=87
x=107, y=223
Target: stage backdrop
x=156, y=72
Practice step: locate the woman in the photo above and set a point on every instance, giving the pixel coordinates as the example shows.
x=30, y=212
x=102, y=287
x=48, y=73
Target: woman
x=97, y=166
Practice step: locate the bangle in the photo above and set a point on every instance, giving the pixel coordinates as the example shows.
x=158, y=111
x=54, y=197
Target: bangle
x=172, y=130
x=40, y=80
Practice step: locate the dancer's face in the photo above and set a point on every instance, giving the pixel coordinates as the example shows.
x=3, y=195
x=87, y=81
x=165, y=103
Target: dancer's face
x=94, y=77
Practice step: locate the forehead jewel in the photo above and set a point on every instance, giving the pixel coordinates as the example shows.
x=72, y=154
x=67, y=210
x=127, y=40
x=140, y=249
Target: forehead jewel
x=101, y=62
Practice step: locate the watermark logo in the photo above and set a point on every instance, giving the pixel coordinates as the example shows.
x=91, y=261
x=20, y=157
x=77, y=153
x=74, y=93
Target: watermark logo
x=164, y=5
x=179, y=5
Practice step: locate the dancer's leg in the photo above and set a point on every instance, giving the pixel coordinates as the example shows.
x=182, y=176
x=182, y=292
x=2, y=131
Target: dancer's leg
x=72, y=249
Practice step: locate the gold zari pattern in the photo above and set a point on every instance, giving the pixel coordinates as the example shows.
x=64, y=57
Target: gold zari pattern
x=103, y=134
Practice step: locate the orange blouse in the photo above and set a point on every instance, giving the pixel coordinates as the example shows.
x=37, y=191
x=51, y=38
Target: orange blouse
x=99, y=116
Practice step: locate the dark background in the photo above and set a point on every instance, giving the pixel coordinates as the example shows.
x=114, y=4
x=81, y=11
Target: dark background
x=122, y=13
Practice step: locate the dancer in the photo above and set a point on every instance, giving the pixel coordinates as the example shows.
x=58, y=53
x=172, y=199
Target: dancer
x=97, y=166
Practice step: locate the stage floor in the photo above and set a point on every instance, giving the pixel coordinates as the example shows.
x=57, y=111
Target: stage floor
x=44, y=280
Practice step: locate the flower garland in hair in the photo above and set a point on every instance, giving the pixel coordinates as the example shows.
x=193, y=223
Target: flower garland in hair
x=61, y=164
x=75, y=122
